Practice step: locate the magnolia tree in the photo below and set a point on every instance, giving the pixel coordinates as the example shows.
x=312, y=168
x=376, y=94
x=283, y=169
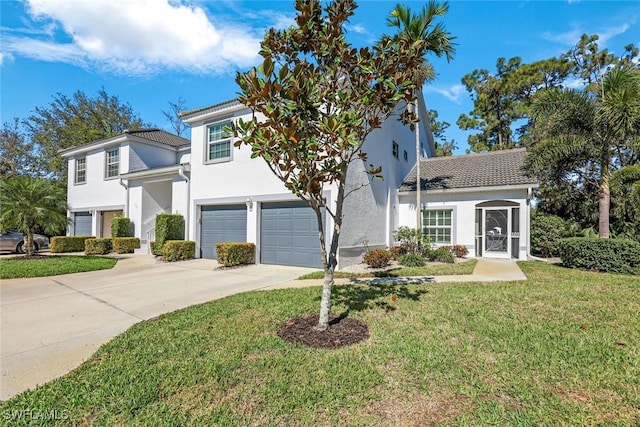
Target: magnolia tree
x=315, y=99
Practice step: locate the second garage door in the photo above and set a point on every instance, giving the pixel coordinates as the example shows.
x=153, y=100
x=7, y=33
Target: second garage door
x=221, y=224
x=289, y=235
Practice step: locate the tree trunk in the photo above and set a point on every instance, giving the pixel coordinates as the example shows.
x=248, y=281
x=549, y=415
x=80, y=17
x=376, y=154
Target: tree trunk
x=604, y=202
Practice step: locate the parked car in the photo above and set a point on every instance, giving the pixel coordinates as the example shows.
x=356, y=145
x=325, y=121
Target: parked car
x=14, y=242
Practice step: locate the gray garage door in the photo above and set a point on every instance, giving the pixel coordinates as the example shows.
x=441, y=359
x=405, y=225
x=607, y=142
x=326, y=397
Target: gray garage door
x=289, y=235
x=82, y=224
x=221, y=224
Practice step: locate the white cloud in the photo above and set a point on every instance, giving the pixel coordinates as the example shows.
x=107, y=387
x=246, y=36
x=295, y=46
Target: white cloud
x=452, y=93
x=136, y=37
x=570, y=38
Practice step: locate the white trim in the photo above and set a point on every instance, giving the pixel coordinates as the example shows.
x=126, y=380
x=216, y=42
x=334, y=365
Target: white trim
x=147, y=173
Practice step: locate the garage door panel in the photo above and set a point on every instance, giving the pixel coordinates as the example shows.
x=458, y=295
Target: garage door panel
x=289, y=235
x=82, y=224
x=221, y=224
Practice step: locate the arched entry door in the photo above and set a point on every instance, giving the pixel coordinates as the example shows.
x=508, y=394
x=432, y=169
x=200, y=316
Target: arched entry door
x=497, y=229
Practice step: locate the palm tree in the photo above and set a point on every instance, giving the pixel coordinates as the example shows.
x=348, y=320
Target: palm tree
x=420, y=29
x=580, y=131
x=28, y=204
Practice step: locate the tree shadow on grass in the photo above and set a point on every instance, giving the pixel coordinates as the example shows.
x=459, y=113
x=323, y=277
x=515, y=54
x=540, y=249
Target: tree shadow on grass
x=362, y=295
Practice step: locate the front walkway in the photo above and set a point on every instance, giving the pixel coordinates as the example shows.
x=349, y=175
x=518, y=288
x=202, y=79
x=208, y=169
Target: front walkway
x=487, y=270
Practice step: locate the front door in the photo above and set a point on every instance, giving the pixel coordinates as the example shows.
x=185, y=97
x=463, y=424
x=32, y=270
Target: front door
x=497, y=229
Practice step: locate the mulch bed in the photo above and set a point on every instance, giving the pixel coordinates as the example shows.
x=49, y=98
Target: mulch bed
x=342, y=332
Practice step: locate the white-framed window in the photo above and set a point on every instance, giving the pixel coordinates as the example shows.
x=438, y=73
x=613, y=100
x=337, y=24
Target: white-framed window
x=395, y=150
x=218, y=143
x=437, y=224
x=81, y=171
x=112, y=166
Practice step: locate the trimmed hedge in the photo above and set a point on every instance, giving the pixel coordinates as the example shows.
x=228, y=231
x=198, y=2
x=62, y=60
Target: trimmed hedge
x=606, y=255
x=546, y=231
x=178, y=250
x=97, y=246
x=168, y=227
x=236, y=253
x=60, y=244
x=125, y=245
x=121, y=227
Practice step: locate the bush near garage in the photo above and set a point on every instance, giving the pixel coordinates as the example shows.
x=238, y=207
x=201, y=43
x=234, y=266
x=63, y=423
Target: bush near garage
x=232, y=253
x=178, y=250
x=61, y=244
x=377, y=258
x=125, y=245
x=605, y=255
x=98, y=246
x=121, y=227
x=168, y=227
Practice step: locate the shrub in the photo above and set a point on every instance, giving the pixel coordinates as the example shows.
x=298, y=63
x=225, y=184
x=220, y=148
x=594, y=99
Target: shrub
x=411, y=260
x=546, y=230
x=168, y=227
x=125, y=245
x=230, y=254
x=458, y=250
x=411, y=240
x=121, y=227
x=442, y=254
x=97, y=246
x=60, y=244
x=607, y=255
x=377, y=258
x=397, y=251
x=178, y=250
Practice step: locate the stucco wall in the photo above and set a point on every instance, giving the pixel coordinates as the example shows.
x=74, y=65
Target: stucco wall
x=371, y=211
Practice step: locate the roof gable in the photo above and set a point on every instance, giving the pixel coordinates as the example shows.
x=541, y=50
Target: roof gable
x=493, y=169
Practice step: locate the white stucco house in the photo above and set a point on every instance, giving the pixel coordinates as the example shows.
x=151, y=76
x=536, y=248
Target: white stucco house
x=480, y=201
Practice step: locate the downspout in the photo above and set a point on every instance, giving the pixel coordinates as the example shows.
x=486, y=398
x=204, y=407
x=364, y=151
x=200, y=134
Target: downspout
x=187, y=219
x=126, y=200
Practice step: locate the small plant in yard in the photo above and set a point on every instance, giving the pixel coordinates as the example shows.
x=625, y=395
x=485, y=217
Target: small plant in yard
x=377, y=258
x=397, y=251
x=460, y=251
x=442, y=254
x=411, y=240
x=411, y=260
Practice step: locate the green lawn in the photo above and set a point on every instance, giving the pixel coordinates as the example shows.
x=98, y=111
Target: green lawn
x=12, y=268
x=429, y=270
x=562, y=348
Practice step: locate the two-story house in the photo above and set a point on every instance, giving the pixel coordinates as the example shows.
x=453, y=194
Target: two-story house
x=480, y=201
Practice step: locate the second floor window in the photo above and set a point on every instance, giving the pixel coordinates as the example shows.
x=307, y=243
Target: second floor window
x=395, y=150
x=81, y=171
x=113, y=163
x=218, y=143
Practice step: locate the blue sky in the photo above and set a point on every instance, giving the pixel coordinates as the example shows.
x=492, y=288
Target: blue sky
x=151, y=52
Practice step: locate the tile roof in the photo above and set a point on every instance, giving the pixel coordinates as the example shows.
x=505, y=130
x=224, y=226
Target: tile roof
x=497, y=168
x=159, y=135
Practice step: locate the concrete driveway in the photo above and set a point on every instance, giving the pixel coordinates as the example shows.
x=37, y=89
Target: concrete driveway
x=50, y=325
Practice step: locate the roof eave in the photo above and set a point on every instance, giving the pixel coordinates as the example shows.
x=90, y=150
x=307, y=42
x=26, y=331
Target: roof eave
x=473, y=189
x=150, y=173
